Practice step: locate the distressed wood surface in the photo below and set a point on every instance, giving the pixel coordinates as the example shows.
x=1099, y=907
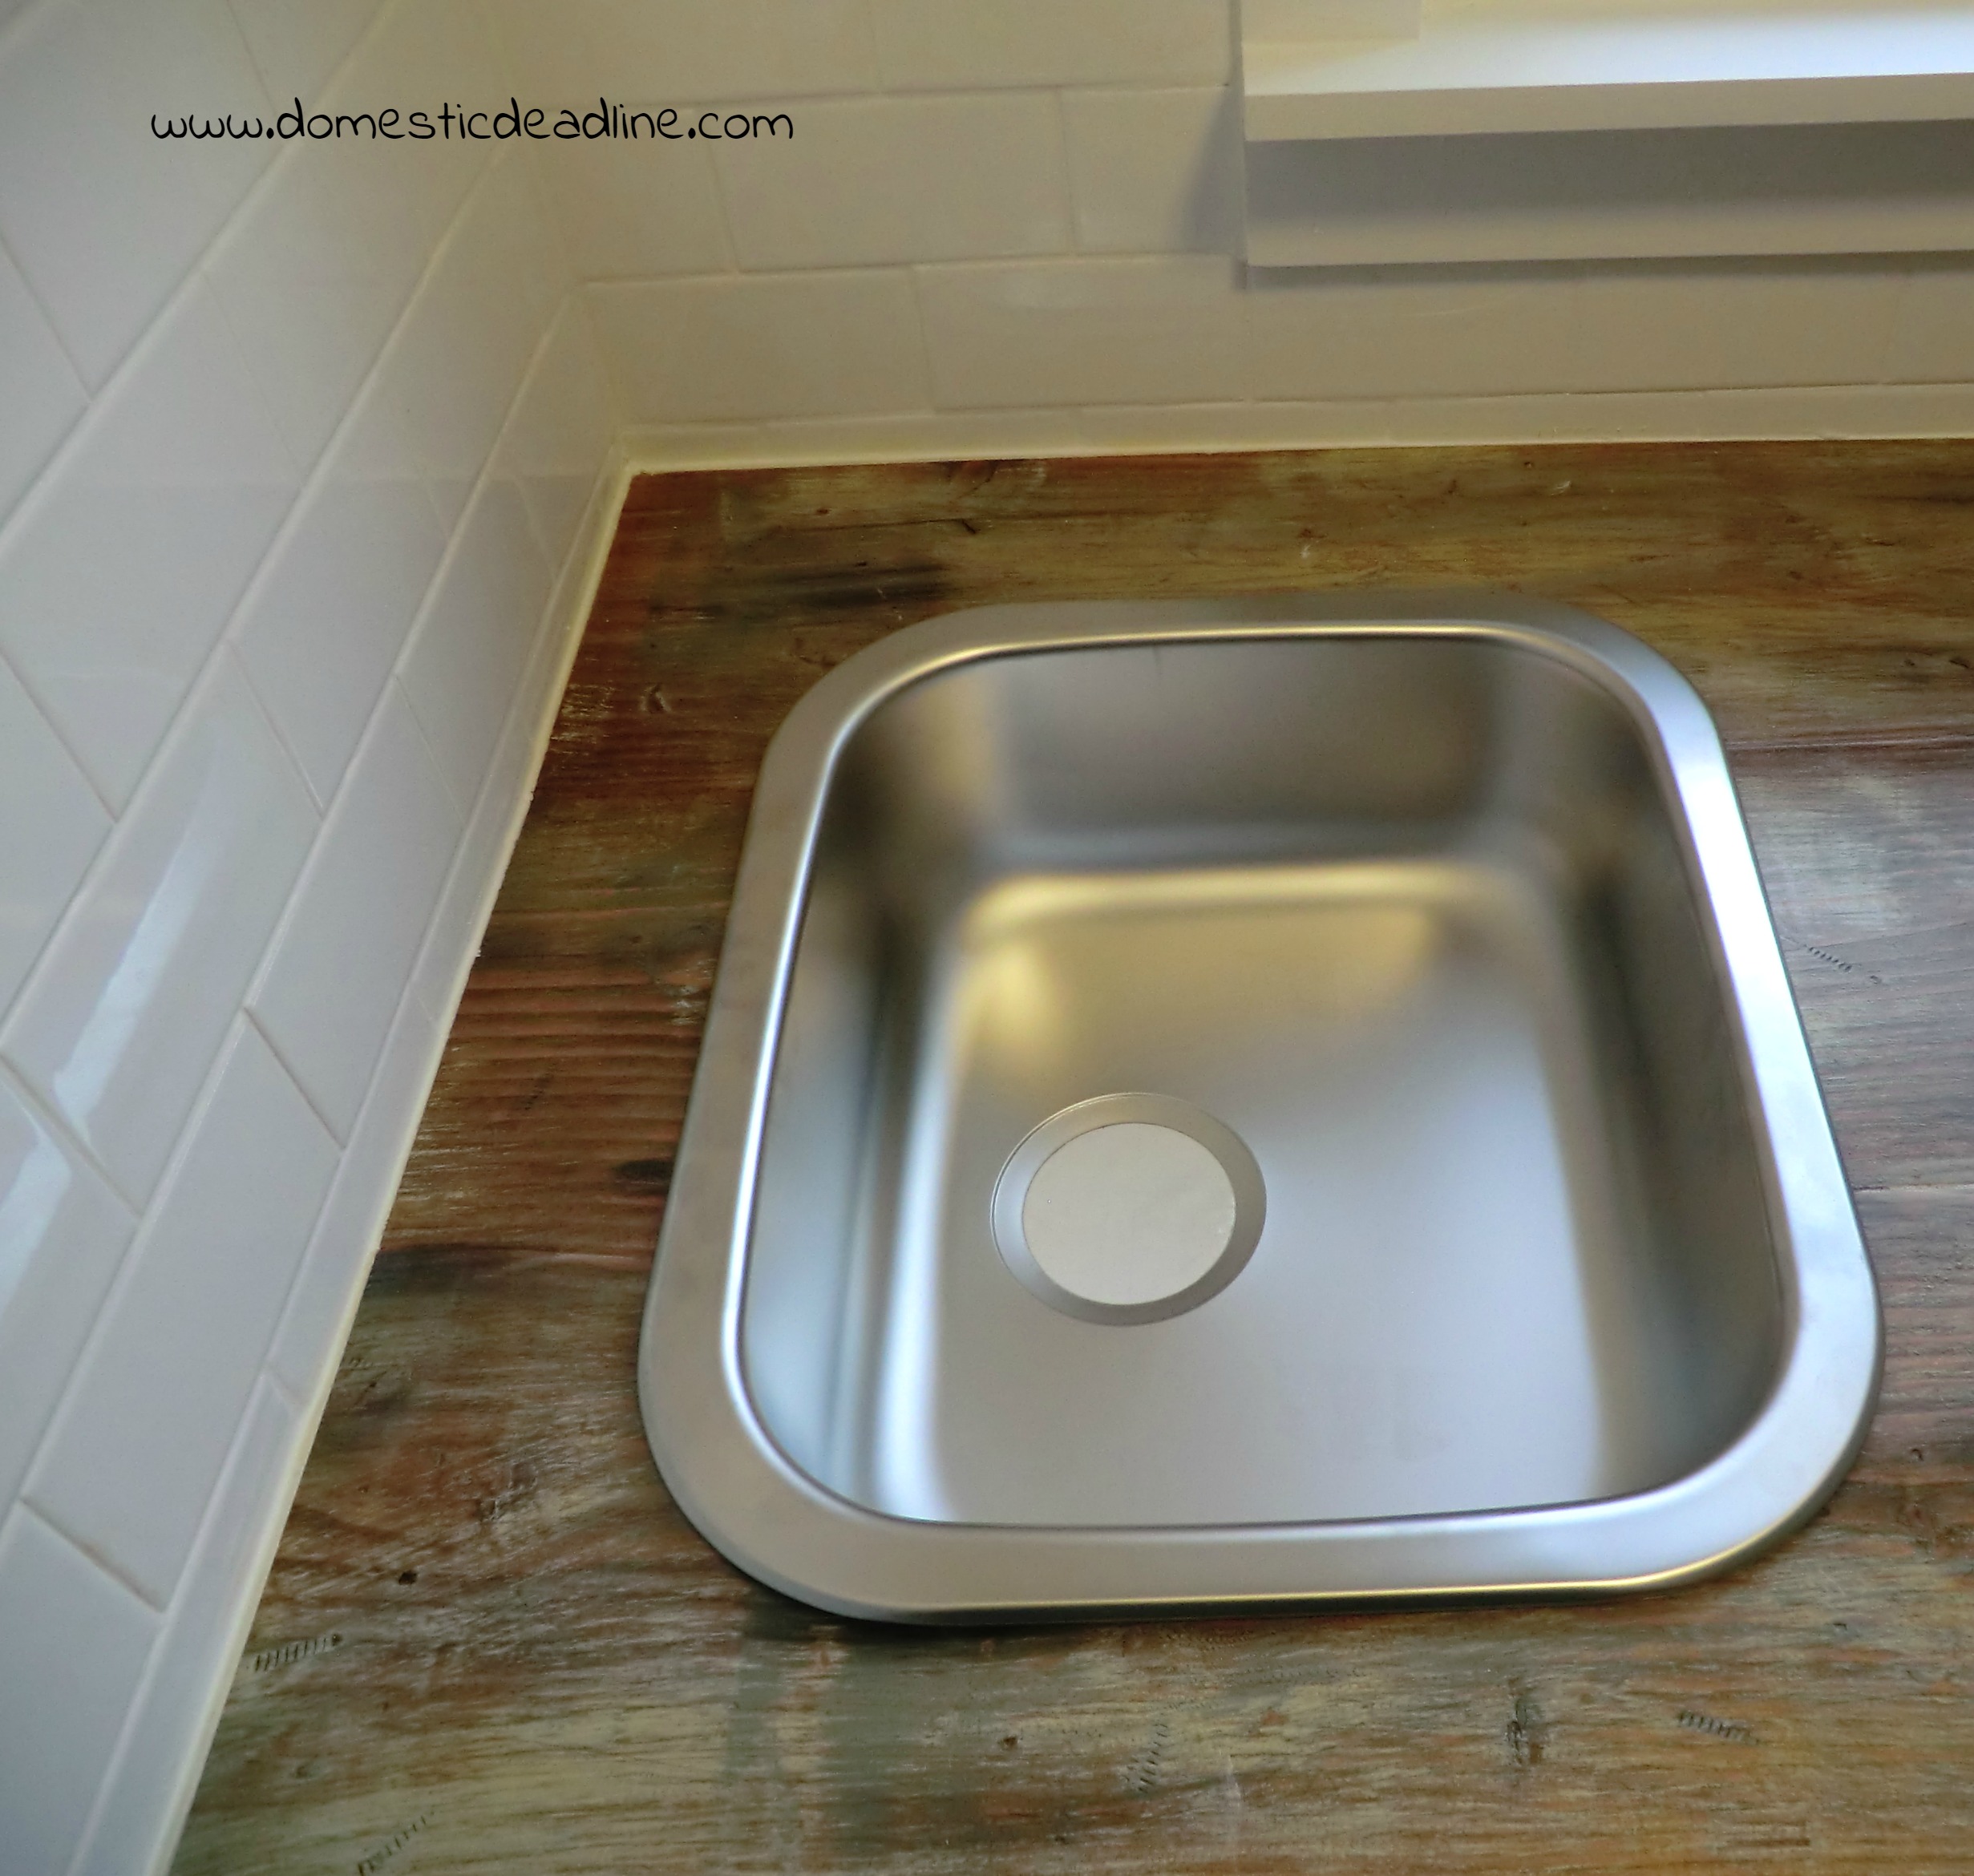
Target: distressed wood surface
x=490, y=1643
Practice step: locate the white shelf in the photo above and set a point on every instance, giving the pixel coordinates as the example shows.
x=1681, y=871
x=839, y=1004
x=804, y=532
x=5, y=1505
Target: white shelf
x=1480, y=66
x=1847, y=188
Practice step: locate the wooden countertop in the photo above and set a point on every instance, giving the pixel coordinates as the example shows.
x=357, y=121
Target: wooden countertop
x=490, y=1644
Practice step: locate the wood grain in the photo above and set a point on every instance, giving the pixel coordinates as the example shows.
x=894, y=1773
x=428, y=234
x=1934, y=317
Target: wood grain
x=490, y=1643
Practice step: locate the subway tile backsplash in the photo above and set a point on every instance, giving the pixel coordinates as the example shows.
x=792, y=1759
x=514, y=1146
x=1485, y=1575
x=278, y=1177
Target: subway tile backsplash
x=290, y=464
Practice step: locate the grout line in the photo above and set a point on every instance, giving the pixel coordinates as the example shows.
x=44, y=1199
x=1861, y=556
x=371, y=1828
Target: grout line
x=61, y=339
x=723, y=208
x=1066, y=175
x=89, y=781
x=686, y=103
x=108, y=1566
x=1601, y=416
x=51, y=1119
x=251, y=1018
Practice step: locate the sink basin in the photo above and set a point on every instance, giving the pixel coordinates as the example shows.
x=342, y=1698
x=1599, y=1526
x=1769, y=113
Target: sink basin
x=1243, y=1102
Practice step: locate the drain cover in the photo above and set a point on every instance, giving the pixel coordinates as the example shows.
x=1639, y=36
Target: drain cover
x=1128, y=1208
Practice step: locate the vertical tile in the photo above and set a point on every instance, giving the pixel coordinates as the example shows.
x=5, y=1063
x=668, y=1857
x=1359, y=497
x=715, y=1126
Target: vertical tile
x=73, y=1646
x=40, y=395
x=1412, y=332
x=332, y=984
x=965, y=44
x=1158, y=330
x=61, y=1235
x=561, y=432
x=296, y=45
x=316, y=1319
x=51, y=827
x=105, y=218
x=1679, y=326
x=874, y=180
x=130, y=1463
x=1154, y=172
x=761, y=346
x=330, y=610
x=687, y=50
x=635, y=209
x=118, y=572
x=467, y=653
x=472, y=329
x=128, y=1007
x=153, y=1777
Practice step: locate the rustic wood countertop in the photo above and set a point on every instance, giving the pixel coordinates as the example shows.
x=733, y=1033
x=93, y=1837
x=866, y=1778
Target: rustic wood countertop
x=490, y=1644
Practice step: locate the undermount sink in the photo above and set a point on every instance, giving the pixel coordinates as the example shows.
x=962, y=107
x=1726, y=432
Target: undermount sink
x=1223, y=1103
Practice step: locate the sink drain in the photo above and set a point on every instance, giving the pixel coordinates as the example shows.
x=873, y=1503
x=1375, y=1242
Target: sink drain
x=1128, y=1208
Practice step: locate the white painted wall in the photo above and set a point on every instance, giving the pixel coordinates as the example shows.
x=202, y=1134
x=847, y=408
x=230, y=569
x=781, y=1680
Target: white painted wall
x=300, y=456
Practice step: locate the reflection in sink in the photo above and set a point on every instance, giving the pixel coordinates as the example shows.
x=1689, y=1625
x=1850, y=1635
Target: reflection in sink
x=1440, y=919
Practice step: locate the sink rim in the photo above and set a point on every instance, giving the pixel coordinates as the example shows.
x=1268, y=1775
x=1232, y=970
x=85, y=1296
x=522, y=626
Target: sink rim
x=725, y=1470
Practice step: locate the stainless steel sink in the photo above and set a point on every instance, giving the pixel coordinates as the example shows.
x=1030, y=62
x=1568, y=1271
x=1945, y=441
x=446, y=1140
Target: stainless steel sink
x=1248, y=1102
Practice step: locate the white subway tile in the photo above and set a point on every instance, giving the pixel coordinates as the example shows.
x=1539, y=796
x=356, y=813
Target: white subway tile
x=172, y=1720
x=561, y=433
x=40, y=395
x=345, y=952
x=62, y=1234
x=330, y=610
x=1677, y=326
x=1154, y=172
x=118, y=572
x=313, y=274
x=296, y=45
x=315, y=1321
x=129, y=1004
x=1157, y=330
x=867, y=180
x=105, y=218
x=129, y=1465
x=687, y=50
x=472, y=329
x=637, y=210
x=73, y=1646
x=51, y=827
x=1932, y=337
x=467, y=651
x=766, y=346
x=962, y=44
x=1411, y=333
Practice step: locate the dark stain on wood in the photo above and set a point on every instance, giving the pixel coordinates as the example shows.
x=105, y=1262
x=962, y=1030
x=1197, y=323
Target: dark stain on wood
x=1527, y=1729
x=1731, y=1730
x=537, y=1647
